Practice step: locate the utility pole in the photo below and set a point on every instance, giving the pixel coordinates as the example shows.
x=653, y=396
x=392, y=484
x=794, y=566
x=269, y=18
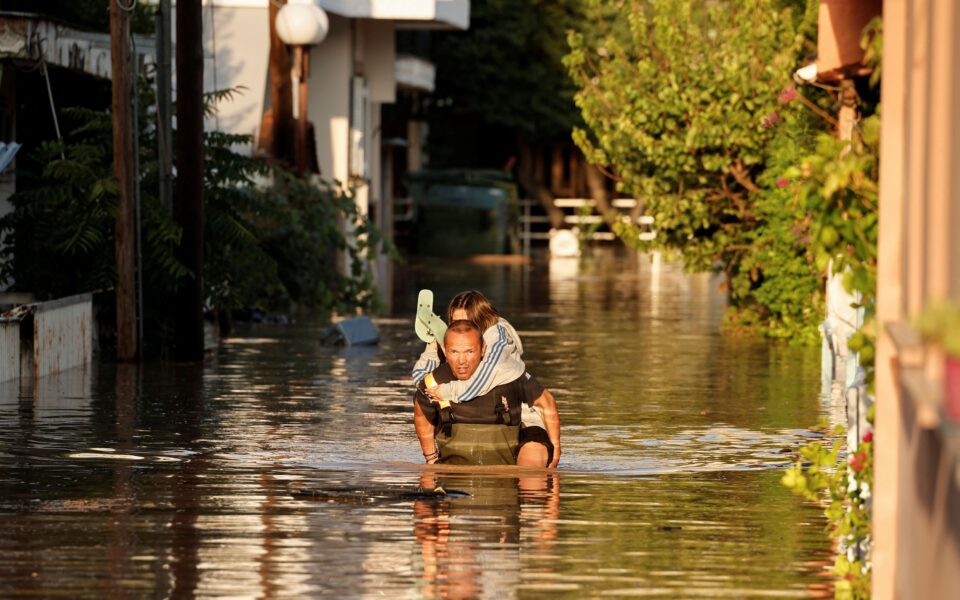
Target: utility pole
x=123, y=154
x=164, y=120
x=188, y=200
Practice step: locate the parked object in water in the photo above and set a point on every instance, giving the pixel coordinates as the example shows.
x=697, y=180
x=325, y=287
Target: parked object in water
x=462, y=212
x=358, y=331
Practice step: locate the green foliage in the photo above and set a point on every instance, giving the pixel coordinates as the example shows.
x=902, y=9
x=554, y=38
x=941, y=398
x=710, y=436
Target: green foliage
x=501, y=84
x=775, y=286
x=271, y=245
x=59, y=238
x=684, y=102
x=507, y=70
x=819, y=476
x=940, y=322
x=677, y=105
x=840, y=190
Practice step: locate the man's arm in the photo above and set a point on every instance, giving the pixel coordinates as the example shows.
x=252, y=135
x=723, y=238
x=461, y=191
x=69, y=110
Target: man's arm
x=425, y=432
x=551, y=419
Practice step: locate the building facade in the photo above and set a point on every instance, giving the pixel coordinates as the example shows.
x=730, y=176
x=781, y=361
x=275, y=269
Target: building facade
x=354, y=73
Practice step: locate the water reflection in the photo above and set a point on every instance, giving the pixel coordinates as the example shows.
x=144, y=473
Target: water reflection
x=177, y=481
x=471, y=547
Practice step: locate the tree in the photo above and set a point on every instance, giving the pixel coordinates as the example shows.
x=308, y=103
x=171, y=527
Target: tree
x=268, y=246
x=687, y=103
x=680, y=102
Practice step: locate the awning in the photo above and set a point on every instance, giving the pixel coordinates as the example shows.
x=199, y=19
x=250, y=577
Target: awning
x=412, y=14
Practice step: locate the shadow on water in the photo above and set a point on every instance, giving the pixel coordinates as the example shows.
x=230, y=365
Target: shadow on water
x=283, y=468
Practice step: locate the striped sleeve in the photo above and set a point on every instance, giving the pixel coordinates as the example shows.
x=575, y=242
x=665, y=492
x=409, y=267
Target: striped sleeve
x=428, y=361
x=482, y=379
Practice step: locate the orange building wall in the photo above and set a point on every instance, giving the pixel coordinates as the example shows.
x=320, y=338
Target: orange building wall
x=916, y=493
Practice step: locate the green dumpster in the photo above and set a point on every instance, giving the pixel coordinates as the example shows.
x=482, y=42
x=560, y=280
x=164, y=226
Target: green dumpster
x=462, y=212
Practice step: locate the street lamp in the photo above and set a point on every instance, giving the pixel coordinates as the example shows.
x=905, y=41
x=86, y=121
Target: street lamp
x=301, y=23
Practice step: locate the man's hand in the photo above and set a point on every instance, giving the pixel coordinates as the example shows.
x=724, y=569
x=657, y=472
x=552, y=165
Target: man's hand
x=425, y=433
x=556, y=456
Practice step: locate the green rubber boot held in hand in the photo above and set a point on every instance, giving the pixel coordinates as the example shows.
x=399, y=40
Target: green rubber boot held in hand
x=429, y=327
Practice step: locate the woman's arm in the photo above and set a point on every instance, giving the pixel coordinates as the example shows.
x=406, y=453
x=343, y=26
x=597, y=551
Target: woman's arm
x=501, y=363
x=428, y=361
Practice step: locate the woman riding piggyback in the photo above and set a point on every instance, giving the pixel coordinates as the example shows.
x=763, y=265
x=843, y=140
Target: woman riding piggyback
x=501, y=362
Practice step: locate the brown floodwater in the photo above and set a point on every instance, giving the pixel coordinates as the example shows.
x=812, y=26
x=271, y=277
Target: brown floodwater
x=283, y=468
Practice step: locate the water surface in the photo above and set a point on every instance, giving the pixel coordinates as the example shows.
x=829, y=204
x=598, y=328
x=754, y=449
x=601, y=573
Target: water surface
x=283, y=468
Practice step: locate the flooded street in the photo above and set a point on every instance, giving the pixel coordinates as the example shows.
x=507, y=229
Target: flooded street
x=283, y=468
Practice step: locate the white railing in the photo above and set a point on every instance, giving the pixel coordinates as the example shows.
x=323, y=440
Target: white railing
x=527, y=219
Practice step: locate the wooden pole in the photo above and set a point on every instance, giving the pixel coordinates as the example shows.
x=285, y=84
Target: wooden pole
x=300, y=68
x=280, y=145
x=188, y=199
x=164, y=120
x=123, y=149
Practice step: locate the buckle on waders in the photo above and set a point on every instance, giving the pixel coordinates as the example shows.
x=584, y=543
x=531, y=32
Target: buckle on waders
x=446, y=420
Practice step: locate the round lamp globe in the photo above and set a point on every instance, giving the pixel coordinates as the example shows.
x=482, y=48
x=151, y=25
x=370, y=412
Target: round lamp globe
x=302, y=23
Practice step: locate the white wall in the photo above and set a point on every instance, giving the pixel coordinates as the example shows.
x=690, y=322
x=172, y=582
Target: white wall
x=328, y=89
x=236, y=48
x=379, y=58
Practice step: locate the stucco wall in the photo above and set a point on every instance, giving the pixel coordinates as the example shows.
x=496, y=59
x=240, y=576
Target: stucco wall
x=236, y=54
x=328, y=88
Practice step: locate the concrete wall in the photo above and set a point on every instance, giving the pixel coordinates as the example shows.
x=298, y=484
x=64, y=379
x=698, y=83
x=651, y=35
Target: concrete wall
x=917, y=497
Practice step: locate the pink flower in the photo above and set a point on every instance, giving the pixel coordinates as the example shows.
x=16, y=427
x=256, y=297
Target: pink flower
x=782, y=182
x=858, y=461
x=788, y=94
x=770, y=120
x=868, y=437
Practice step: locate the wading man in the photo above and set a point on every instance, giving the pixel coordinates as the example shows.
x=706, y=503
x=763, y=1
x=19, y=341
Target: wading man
x=486, y=430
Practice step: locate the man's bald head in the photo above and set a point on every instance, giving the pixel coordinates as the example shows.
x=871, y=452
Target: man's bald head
x=463, y=327
x=463, y=346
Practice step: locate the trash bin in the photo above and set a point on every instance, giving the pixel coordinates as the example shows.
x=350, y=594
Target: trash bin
x=461, y=212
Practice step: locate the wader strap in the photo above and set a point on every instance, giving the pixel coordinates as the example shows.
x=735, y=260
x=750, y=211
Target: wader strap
x=503, y=408
x=445, y=418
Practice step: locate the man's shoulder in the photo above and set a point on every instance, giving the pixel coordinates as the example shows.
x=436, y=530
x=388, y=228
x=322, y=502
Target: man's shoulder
x=526, y=382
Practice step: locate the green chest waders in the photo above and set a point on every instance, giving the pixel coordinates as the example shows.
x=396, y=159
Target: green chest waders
x=466, y=444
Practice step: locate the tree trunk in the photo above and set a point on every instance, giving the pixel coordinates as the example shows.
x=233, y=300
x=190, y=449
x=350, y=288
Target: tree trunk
x=597, y=185
x=123, y=152
x=526, y=176
x=188, y=200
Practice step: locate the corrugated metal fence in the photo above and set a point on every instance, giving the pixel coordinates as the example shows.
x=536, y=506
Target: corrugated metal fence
x=44, y=338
